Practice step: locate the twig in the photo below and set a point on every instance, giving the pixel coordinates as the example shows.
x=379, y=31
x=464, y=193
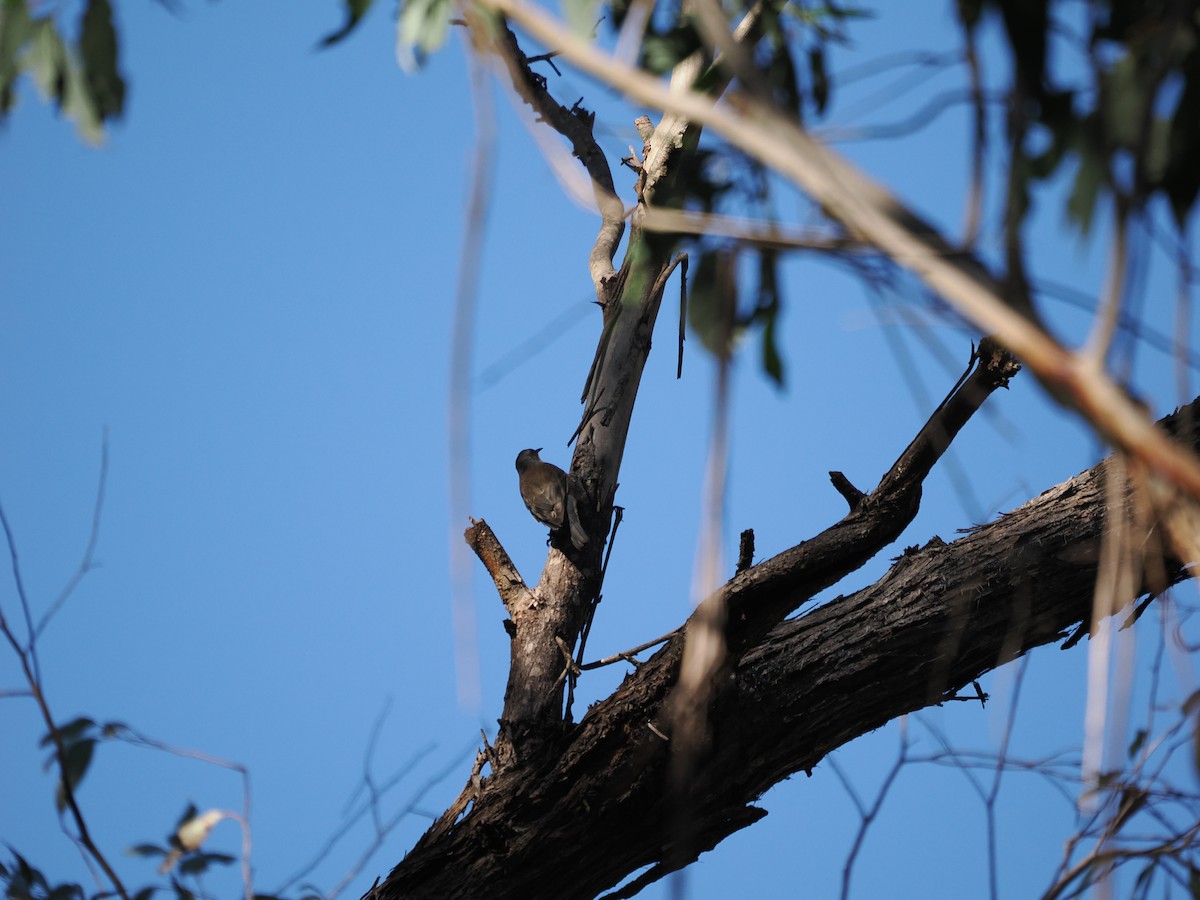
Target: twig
x=27, y=656
x=86, y=564
x=391, y=823
x=352, y=818
x=627, y=655
x=129, y=735
x=867, y=816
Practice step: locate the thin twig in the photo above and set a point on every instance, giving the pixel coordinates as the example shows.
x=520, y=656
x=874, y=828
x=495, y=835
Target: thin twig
x=86, y=564
x=129, y=735
x=27, y=656
x=627, y=654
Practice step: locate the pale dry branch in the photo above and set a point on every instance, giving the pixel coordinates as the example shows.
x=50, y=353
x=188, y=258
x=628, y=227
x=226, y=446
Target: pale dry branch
x=872, y=214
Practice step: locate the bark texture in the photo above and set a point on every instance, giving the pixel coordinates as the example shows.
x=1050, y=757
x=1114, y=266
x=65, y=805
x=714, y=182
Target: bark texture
x=571, y=810
x=582, y=820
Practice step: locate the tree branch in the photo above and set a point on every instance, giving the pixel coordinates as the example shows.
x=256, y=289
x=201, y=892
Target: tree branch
x=872, y=214
x=581, y=821
x=575, y=124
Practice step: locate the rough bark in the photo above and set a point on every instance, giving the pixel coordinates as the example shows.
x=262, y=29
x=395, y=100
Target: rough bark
x=582, y=820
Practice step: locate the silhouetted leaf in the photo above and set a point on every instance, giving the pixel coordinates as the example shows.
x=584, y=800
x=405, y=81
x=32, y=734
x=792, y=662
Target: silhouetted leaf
x=70, y=732
x=771, y=360
x=820, y=80
x=98, y=53
x=1181, y=180
x=195, y=863
x=1136, y=744
x=77, y=756
x=355, y=10
x=661, y=51
x=146, y=850
x=1089, y=178
x=712, y=304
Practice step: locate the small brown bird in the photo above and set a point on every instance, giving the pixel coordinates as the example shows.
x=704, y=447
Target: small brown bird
x=546, y=490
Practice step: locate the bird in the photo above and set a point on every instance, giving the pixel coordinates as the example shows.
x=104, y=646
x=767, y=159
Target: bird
x=546, y=490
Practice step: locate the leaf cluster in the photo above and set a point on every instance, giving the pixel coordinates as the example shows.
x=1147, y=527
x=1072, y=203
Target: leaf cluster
x=81, y=77
x=1134, y=131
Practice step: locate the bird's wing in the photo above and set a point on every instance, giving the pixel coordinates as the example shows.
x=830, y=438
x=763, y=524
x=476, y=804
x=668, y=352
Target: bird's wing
x=545, y=501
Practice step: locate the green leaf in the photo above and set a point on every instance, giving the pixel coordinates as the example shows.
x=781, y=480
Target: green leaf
x=581, y=16
x=820, y=79
x=196, y=863
x=1122, y=103
x=146, y=850
x=47, y=58
x=98, y=54
x=77, y=758
x=662, y=51
x=423, y=27
x=712, y=305
x=16, y=28
x=767, y=312
x=1089, y=179
x=355, y=10
x=771, y=360
x=69, y=733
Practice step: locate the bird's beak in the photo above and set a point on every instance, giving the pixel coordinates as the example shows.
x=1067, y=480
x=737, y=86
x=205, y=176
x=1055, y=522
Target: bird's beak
x=538, y=450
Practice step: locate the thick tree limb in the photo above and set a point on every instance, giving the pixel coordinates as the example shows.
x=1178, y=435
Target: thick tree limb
x=582, y=820
x=630, y=301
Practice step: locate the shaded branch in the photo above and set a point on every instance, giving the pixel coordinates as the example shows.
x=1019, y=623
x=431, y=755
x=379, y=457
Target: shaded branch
x=597, y=810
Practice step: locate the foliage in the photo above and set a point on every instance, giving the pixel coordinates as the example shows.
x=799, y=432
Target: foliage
x=82, y=78
x=1134, y=131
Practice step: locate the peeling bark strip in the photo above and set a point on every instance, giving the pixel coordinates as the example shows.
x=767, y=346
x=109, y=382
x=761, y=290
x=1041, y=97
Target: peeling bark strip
x=582, y=819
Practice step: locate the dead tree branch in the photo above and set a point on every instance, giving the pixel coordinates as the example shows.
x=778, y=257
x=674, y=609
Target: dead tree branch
x=582, y=819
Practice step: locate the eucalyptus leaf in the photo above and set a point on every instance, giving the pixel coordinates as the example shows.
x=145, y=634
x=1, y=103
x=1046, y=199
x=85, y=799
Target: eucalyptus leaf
x=98, y=55
x=16, y=28
x=422, y=28
x=355, y=10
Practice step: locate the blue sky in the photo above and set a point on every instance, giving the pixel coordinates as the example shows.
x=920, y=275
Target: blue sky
x=250, y=286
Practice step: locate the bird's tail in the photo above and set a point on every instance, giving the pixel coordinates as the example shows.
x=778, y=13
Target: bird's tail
x=578, y=535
